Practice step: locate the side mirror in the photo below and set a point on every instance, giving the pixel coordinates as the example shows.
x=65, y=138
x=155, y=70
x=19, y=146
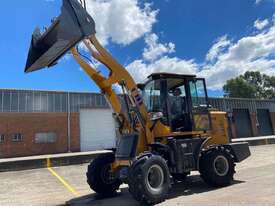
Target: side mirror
x=155, y=115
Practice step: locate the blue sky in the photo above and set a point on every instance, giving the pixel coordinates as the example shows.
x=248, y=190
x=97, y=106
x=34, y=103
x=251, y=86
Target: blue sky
x=216, y=39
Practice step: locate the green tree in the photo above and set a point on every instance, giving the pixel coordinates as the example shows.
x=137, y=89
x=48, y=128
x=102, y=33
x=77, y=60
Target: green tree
x=251, y=85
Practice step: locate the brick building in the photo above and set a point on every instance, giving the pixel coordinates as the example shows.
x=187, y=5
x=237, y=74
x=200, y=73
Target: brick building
x=43, y=122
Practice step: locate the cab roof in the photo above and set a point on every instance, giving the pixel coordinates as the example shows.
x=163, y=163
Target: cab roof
x=170, y=75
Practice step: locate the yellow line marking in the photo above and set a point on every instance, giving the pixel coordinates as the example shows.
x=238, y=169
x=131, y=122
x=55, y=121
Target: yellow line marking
x=66, y=184
x=48, y=162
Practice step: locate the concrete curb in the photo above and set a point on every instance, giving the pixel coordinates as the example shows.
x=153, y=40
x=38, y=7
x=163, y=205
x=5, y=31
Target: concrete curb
x=256, y=141
x=34, y=162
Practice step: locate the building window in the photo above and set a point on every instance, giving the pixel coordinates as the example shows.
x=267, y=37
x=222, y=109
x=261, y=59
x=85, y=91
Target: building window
x=2, y=138
x=46, y=137
x=17, y=137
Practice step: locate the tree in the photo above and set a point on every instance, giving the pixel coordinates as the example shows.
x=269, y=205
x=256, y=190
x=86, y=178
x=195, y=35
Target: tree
x=251, y=85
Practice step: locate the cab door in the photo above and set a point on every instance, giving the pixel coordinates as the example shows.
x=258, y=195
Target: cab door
x=199, y=104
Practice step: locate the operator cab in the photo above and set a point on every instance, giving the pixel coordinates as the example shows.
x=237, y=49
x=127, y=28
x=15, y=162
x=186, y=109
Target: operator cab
x=182, y=100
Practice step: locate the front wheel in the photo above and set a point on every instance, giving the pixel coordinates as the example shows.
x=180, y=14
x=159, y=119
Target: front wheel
x=99, y=175
x=217, y=167
x=149, y=180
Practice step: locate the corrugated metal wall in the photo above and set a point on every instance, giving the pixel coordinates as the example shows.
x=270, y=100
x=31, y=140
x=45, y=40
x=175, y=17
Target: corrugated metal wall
x=228, y=104
x=53, y=101
x=48, y=101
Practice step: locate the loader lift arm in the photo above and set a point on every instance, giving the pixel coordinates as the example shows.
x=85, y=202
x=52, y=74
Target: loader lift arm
x=118, y=75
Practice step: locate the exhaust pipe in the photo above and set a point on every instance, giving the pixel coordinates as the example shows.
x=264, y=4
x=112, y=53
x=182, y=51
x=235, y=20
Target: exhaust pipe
x=72, y=26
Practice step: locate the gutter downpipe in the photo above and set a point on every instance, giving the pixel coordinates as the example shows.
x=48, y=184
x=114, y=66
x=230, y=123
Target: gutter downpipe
x=69, y=121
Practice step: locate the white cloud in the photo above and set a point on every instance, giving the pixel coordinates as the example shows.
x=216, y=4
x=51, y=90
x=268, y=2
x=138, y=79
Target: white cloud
x=140, y=70
x=159, y=61
x=225, y=60
x=260, y=24
x=124, y=21
x=219, y=45
x=258, y=1
x=249, y=53
x=155, y=49
x=121, y=21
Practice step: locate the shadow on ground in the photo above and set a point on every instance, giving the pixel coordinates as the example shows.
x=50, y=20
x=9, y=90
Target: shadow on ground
x=192, y=185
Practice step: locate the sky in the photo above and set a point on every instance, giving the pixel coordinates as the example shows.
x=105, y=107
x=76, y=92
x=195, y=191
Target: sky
x=214, y=39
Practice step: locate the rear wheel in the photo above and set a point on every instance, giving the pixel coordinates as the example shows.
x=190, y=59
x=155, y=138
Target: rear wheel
x=99, y=175
x=149, y=180
x=217, y=167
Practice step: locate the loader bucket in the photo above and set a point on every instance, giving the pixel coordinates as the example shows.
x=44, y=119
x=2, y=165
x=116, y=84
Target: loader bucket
x=73, y=25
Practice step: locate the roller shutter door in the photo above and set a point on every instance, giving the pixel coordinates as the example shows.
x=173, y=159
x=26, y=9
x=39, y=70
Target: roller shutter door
x=265, y=127
x=97, y=129
x=242, y=122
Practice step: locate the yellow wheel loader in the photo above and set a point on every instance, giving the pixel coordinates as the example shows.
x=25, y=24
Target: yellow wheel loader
x=166, y=126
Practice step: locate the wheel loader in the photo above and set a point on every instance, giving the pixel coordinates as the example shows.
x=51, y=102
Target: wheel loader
x=166, y=127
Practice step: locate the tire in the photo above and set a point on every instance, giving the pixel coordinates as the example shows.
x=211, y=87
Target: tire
x=98, y=176
x=149, y=180
x=217, y=167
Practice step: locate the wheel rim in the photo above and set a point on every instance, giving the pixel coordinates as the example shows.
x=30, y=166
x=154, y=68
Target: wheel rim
x=221, y=165
x=107, y=176
x=155, y=178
